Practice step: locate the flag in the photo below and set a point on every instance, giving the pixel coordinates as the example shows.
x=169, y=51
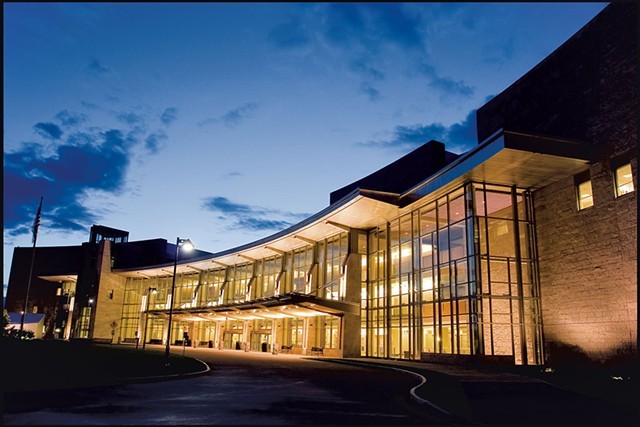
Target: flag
x=36, y=222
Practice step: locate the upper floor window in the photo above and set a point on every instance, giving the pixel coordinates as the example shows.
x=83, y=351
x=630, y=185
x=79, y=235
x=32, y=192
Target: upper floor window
x=623, y=180
x=584, y=190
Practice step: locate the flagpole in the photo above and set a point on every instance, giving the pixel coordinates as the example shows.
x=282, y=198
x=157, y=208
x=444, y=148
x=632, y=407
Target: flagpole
x=36, y=223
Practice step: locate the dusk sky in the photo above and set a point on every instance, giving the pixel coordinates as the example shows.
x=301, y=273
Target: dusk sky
x=225, y=123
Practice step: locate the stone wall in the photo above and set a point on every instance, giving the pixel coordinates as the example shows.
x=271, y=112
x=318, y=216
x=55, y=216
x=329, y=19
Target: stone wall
x=110, y=298
x=585, y=90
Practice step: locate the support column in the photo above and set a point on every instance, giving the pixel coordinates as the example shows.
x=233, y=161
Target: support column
x=350, y=324
x=217, y=338
x=274, y=334
x=165, y=329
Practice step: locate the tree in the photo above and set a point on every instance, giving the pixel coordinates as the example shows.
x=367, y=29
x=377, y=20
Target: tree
x=5, y=319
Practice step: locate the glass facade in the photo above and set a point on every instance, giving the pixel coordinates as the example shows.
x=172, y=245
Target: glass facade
x=454, y=276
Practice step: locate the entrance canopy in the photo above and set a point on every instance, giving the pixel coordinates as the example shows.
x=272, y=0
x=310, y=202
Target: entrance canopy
x=289, y=305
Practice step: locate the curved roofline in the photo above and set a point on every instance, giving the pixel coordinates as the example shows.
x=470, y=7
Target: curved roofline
x=263, y=241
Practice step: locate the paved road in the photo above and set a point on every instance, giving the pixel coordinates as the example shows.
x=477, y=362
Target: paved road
x=254, y=389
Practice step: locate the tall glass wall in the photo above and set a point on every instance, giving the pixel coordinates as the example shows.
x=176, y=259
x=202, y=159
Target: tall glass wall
x=449, y=278
x=508, y=309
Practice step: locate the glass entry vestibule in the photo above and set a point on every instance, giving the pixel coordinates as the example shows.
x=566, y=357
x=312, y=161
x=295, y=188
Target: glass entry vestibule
x=456, y=276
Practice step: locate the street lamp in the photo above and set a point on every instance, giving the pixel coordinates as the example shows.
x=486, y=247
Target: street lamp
x=146, y=315
x=187, y=245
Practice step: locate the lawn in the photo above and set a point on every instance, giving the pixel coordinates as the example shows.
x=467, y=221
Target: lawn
x=38, y=365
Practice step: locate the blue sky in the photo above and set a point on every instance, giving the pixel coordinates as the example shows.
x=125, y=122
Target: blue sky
x=225, y=123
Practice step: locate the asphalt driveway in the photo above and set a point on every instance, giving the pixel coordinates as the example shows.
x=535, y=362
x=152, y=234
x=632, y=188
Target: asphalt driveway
x=251, y=389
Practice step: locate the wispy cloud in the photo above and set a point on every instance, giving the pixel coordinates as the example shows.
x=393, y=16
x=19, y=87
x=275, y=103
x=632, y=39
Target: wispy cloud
x=445, y=85
x=130, y=118
x=233, y=117
x=240, y=114
x=96, y=67
x=231, y=175
x=254, y=218
x=169, y=115
x=48, y=130
x=154, y=142
x=370, y=91
x=361, y=66
x=364, y=35
x=68, y=118
x=458, y=138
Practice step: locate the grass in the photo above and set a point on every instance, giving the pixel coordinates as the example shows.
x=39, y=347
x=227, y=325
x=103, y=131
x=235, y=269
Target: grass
x=38, y=365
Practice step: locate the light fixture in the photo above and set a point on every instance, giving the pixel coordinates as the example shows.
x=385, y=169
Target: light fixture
x=187, y=245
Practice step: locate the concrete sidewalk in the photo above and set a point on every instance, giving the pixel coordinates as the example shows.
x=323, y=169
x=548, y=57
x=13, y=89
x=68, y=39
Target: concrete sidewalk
x=497, y=397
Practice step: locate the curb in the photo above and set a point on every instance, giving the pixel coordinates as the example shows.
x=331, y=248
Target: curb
x=412, y=392
x=172, y=376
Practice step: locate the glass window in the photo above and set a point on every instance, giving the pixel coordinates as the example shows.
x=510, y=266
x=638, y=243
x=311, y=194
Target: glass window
x=623, y=180
x=584, y=191
x=428, y=219
x=585, y=195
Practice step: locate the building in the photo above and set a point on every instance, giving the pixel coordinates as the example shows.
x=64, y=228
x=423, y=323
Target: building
x=68, y=279
x=522, y=250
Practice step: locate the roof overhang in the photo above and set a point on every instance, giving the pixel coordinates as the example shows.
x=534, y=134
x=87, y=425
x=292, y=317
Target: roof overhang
x=60, y=278
x=508, y=158
x=356, y=210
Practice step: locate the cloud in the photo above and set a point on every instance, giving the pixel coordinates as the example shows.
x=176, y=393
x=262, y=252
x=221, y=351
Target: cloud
x=83, y=160
x=48, y=130
x=446, y=85
x=155, y=141
x=238, y=115
x=97, y=68
x=370, y=91
x=68, y=118
x=365, y=37
x=62, y=179
x=169, y=116
x=130, y=118
x=252, y=218
x=232, y=175
x=233, y=117
x=360, y=66
x=458, y=138
x=371, y=25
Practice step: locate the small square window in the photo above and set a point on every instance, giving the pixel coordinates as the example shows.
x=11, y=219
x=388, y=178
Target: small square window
x=623, y=180
x=584, y=190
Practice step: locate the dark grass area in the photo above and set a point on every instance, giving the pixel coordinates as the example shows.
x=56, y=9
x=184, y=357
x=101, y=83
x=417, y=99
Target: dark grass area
x=37, y=365
x=616, y=384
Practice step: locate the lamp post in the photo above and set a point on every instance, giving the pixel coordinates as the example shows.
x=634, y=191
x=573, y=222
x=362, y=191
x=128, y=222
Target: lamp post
x=187, y=245
x=146, y=315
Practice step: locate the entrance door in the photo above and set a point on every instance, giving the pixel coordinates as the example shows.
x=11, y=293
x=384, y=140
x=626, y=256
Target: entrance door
x=260, y=341
x=232, y=341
